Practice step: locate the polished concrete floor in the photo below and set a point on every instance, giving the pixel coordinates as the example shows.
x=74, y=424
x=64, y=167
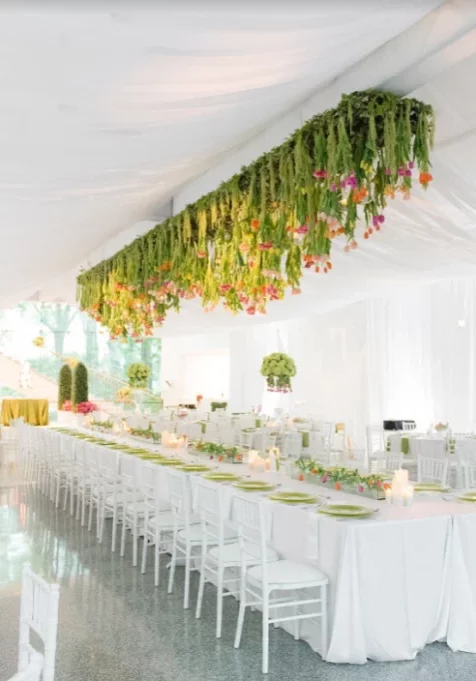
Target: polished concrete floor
x=115, y=626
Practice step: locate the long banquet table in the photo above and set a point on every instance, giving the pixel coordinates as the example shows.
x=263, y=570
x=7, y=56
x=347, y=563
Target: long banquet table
x=402, y=579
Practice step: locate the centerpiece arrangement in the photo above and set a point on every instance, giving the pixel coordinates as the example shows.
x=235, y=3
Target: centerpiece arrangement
x=250, y=240
x=342, y=479
x=218, y=451
x=278, y=369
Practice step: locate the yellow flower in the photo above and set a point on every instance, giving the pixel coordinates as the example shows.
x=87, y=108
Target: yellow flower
x=39, y=341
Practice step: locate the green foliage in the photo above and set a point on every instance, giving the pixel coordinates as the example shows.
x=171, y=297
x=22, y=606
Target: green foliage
x=218, y=405
x=81, y=388
x=276, y=216
x=138, y=375
x=278, y=369
x=65, y=385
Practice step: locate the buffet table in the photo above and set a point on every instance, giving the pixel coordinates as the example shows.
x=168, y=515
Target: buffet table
x=35, y=412
x=402, y=579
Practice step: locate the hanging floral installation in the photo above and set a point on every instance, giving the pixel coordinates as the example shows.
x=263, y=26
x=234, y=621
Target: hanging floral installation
x=248, y=241
x=278, y=369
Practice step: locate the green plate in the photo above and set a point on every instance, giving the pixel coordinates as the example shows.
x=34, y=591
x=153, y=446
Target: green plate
x=469, y=497
x=429, y=487
x=194, y=468
x=170, y=462
x=222, y=477
x=346, y=511
x=254, y=486
x=293, y=498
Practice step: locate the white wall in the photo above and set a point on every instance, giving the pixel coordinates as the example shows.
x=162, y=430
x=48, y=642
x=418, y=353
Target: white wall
x=195, y=364
x=407, y=356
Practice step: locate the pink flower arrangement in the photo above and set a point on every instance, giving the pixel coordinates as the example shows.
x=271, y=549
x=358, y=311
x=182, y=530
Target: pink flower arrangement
x=86, y=407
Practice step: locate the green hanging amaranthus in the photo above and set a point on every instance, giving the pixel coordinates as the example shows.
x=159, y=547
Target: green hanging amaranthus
x=248, y=241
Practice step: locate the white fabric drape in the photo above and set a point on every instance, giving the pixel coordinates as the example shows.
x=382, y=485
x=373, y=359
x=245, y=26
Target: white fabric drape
x=409, y=356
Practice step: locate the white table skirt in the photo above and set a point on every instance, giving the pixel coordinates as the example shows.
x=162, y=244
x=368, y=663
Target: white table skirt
x=398, y=581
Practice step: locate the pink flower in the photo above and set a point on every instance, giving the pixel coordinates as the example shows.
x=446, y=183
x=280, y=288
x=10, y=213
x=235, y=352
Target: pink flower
x=411, y=165
x=320, y=174
x=265, y=246
x=324, y=479
x=361, y=488
x=388, y=171
x=86, y=407
x=303, y=229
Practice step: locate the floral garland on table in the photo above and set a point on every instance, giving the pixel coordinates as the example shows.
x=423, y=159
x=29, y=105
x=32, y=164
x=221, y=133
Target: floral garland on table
x=340, y=476
x=248, y=241
x=102, y=425
x=146, y=433
x=221, y=452
x=278, y=369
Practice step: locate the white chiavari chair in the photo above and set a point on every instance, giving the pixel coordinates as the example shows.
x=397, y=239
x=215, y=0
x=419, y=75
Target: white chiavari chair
x=246, y=439
x=375, y=440
x=158, y=518
x=283, y=576
x=291, y=444
x=131, y=502
x=213, y=506
x=431, y=469
x=263, y=440
x=38, y=614
x=187, y=531
x=469, y=474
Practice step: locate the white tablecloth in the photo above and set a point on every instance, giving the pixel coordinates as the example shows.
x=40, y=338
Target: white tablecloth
x=402, y=579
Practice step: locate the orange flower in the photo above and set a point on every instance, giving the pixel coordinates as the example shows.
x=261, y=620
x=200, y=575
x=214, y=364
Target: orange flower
x=337, y=486
x=255, y=225
x=238, y=457
x=387, y=485
x=425, y=178
x=301, y=477
x=314, y=471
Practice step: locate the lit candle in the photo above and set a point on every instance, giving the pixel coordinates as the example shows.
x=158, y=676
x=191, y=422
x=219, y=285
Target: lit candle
x=388, y=495
x=408, y=496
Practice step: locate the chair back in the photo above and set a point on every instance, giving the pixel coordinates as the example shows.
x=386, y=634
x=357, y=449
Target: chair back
x=248, y=516
x=180, y=495
x=210, y=503
x=469, y=474
x=432, y=469
x=465, y=449
x=375, y=440
x=292, y=444
x=38, y=613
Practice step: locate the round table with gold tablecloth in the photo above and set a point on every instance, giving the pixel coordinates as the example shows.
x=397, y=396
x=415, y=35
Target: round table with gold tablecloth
x=35, y=412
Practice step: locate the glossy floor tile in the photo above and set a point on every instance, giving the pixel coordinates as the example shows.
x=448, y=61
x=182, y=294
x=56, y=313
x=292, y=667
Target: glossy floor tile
x=115, y=626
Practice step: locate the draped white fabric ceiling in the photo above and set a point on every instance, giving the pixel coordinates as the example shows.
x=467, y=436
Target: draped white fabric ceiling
x=107, y=111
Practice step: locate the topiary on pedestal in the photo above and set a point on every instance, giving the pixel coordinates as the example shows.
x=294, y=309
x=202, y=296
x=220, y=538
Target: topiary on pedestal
x=80, y=384
x=65, y=385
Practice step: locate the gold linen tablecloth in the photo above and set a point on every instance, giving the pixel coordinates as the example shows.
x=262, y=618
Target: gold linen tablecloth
x=35, y=412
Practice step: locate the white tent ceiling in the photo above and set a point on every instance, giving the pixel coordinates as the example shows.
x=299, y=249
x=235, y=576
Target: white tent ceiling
x=107, y=114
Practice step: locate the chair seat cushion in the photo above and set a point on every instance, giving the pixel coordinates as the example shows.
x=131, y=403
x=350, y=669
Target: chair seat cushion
x=288, y=572
x=232, y=557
